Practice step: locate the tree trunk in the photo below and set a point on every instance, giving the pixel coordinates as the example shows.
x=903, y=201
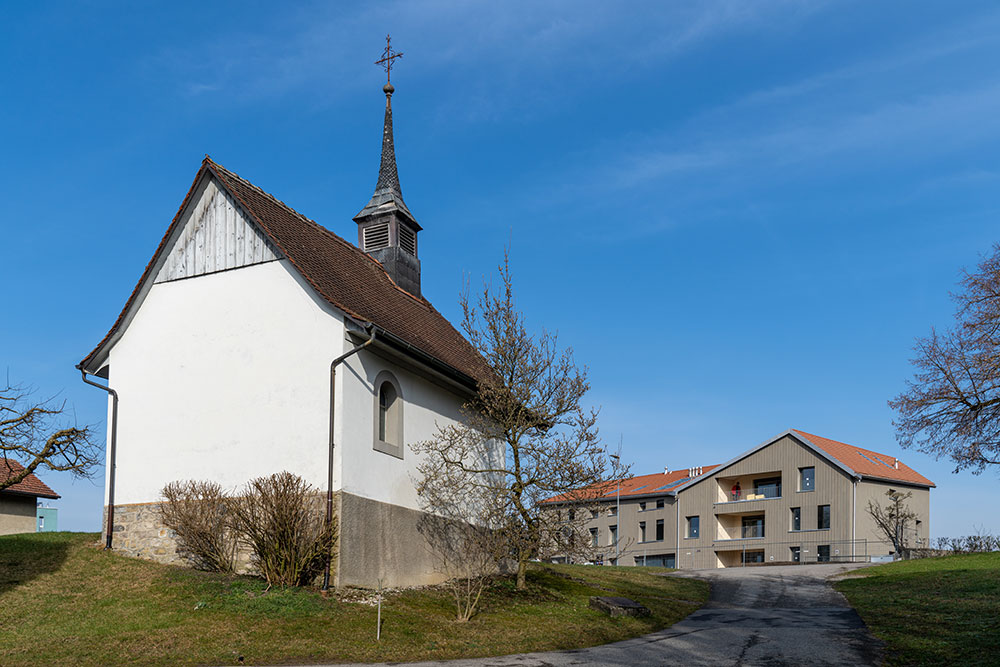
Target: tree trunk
x=522, y=571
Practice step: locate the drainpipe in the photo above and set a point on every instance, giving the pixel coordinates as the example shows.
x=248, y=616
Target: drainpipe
x=854, y=517
x=114, y=451
x=677, y=531
x=329, y=463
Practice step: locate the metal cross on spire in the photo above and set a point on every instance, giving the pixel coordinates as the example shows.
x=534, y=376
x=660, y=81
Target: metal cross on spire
x=387, y=57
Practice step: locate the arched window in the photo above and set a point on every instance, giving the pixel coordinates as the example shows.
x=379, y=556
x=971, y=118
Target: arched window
x=388, y=436
x=386, y=406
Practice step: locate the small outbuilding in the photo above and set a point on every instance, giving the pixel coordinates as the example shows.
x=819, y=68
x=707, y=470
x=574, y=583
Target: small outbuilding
x=19, y=502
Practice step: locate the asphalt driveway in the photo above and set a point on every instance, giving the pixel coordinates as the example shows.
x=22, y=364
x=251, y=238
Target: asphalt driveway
x=783, y=615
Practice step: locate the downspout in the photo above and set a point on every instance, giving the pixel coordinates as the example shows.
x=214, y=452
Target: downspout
x=329, y=464
x=114, y=451
x=677, y=531
x=854, y=517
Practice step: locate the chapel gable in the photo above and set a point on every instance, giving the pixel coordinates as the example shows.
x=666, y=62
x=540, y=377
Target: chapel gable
x=215, y=235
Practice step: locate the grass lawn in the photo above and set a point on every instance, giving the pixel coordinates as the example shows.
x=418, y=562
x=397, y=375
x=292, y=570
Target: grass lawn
x=933, y=611
x=65, y=601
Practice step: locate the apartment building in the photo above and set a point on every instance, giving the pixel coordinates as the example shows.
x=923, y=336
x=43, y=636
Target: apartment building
x=794, y=498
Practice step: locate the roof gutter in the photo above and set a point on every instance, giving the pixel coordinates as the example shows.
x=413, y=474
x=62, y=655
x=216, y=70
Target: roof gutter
x=113, y=453
x=395, y=342
x=372, y=332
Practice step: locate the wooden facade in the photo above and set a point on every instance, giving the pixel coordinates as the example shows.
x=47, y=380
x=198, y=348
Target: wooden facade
x=217, y=235
x=732, y=531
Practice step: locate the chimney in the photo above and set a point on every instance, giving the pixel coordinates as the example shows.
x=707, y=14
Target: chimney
x=666, y=470
x=895, y=463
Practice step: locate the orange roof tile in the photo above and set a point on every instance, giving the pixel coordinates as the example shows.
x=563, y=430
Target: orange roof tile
x=29, y=486
x=640, y=485
x=865, y=462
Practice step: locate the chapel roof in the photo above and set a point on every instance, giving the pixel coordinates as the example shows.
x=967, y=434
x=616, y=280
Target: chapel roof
x=340, y=272
x=29, y=486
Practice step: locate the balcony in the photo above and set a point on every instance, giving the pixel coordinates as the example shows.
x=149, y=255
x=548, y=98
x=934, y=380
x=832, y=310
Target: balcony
x=744, y=527
x=748, y=488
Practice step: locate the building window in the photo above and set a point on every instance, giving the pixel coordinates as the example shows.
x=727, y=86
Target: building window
x=388, y=415
x=594, y=514
x=41, y=523
x=796, y=518
x=752, y=557
x=642, y=531
x=753, y=526
x=693, y=526
x=594, y=537
x=659, y=504
x=823, y=553
x=807, y=479
x=769, y=488
x=659, y=530
x=613, y=510
x=613, y=534
x=572, y=514
x=823, y=517
x=796, y=554
x=642, y=507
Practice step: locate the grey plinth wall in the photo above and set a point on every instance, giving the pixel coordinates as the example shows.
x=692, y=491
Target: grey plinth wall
x=381, y=541
x=377, y=541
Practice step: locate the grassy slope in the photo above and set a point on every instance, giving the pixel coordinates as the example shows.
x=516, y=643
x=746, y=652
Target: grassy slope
x=64, y=601
x=933, y=611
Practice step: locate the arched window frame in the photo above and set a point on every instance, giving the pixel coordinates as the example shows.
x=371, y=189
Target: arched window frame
x=393, y=444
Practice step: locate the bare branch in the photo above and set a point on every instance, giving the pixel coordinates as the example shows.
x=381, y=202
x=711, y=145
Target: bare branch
x=524, y=438
x=34, y=433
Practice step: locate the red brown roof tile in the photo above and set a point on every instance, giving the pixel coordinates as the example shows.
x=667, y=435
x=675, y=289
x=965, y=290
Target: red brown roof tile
x=29, y=486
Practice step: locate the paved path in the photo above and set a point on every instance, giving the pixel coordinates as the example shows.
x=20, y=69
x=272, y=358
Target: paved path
x=783, y=615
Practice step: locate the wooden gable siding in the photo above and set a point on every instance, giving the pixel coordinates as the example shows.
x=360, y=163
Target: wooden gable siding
x=217, y=236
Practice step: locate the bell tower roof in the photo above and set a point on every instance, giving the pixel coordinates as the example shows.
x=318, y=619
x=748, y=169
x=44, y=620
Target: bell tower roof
x=387, y=231
x=388, y=194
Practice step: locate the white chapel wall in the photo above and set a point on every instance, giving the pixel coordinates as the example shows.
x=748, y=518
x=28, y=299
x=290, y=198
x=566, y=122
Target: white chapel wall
x=374, y=474
x=225, y=377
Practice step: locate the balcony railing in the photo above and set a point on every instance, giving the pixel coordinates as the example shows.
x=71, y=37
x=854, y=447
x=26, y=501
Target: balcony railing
x=753, y=531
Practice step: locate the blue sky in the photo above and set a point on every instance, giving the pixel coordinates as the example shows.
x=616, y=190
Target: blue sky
x=738, y=214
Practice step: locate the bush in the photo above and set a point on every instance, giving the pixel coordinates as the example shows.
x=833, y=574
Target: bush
x=198, y=512
x=280, y=518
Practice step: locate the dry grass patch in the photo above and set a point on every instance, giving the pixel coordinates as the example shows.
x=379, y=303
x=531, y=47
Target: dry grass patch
x=97, y=608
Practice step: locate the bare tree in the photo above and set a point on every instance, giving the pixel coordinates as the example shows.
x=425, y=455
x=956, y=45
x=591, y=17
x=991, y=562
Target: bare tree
x=37, y=433
x=894, y=518
x=952, y=406
x=526, y=435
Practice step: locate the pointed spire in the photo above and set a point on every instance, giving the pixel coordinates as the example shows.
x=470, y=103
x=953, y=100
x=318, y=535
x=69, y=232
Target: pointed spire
x=387, y=175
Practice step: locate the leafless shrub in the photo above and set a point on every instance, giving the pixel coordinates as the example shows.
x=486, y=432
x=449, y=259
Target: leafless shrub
x=981, y=542
x=280, y=519
x=198, y=512
x=468, y=539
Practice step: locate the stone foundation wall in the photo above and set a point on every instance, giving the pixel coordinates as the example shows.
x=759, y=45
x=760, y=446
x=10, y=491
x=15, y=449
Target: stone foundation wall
x=138, y=532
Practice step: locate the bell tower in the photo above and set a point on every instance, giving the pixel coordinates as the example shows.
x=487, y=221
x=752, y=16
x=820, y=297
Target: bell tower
x=386, y=229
